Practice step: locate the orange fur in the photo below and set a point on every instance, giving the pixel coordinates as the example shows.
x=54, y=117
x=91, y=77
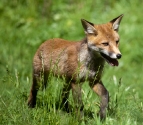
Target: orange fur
x=78, y=61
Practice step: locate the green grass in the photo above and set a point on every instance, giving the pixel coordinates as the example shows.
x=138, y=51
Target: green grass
x=25, y=24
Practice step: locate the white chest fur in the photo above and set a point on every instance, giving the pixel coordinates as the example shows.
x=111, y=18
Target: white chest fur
x=89, y=67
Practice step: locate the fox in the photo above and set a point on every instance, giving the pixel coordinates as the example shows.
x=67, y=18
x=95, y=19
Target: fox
x=77, y=62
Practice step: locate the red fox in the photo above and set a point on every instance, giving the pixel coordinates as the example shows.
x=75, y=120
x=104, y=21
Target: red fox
x=77, y=62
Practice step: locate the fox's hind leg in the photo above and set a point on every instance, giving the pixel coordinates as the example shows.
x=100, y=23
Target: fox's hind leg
x=99, y=88
x=33, y=91
x=38, y=80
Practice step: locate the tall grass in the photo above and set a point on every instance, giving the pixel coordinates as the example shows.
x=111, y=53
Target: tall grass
x=25, y=24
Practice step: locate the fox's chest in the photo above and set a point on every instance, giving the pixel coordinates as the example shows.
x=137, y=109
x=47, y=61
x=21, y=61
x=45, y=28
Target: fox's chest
x=91, y=65
x=91, y=72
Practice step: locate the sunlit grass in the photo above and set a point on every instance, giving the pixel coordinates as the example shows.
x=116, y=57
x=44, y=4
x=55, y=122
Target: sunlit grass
x=26, y=24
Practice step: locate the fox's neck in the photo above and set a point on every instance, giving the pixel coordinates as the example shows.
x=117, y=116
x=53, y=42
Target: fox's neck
x=88, y=56
x=90, y=62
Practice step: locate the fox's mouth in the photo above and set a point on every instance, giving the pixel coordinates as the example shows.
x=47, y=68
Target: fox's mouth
x=112, y=62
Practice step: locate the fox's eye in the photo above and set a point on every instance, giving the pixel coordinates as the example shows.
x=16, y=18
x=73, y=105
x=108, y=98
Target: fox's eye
x=105, y=44
x=117, y=41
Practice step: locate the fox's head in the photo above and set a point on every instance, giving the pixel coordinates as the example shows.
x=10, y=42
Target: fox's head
x=104, y=39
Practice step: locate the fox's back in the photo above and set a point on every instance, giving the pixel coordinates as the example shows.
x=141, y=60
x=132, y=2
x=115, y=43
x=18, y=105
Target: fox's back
x=58, y=55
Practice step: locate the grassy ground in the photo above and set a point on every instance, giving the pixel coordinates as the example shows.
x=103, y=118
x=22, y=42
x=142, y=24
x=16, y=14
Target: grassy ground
x=25, y=24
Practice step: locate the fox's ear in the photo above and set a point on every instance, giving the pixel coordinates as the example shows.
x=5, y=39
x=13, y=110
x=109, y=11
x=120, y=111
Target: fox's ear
x=88, y=27
x=116, y=22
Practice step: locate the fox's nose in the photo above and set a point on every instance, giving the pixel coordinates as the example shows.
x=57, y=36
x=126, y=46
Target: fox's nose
x=119, y=56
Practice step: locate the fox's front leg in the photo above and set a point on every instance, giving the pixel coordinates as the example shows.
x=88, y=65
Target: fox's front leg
x=77, y=97
x=65, y=95
x=99, y=88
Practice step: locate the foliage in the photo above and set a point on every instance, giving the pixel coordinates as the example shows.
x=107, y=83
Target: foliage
x=25, y=24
